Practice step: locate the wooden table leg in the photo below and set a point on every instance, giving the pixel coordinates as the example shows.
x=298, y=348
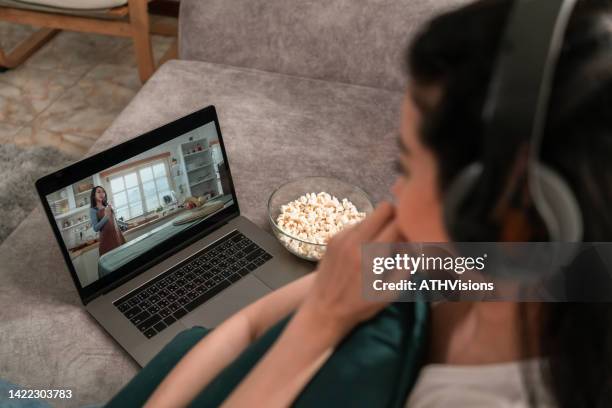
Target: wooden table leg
x=139, y=20
x=26, y=48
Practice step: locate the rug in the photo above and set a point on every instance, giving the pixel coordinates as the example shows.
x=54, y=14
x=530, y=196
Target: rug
x=20, y=167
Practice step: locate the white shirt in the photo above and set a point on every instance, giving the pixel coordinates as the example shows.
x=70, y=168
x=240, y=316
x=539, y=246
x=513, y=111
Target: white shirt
x=491, y=386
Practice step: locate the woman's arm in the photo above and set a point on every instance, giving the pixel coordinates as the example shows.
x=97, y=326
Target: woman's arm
x=211, y=355
x=306, y=343
x=93, y=217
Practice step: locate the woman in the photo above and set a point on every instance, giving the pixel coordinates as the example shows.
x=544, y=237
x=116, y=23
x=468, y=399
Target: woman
x=103, y=220
x=479, y=354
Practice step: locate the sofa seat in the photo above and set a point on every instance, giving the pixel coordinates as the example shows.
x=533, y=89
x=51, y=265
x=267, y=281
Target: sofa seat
x=275, y=127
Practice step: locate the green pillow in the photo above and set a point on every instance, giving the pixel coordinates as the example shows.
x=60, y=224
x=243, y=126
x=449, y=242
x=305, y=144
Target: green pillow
x=375, y=366
x=140, y=388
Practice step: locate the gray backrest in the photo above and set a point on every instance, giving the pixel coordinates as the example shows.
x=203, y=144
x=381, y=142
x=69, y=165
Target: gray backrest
x=355, y=41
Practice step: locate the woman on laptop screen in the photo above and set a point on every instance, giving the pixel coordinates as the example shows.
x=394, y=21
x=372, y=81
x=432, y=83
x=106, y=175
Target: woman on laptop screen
x=103, y=221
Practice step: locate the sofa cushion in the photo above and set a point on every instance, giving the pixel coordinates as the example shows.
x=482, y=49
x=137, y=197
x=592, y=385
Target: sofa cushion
x=276, y=127
x=359, y=42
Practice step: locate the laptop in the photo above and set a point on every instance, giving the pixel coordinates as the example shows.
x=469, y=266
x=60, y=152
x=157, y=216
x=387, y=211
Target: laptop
x=152, y=235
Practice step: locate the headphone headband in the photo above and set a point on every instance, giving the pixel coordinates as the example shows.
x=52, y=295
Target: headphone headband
x=528, y=55
x=514, y=114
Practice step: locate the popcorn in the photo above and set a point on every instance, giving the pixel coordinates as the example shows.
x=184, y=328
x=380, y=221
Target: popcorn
x=315, y=218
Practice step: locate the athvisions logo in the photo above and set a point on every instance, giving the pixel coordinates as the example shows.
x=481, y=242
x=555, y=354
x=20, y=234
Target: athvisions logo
x=424, y=263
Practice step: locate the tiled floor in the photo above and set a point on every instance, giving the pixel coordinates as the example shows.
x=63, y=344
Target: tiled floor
x=70, y=91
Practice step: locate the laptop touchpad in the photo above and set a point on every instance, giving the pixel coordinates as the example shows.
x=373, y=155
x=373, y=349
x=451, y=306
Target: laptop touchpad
x=226, y=303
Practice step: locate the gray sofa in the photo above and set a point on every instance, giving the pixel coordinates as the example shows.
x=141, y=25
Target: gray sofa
x=301, y=87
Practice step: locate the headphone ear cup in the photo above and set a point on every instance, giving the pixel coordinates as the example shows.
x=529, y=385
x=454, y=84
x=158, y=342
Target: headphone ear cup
x=456, y=195
x=552, y=198
x=556, y=204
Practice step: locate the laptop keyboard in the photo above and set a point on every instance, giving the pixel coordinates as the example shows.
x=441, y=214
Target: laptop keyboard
x=170, y=296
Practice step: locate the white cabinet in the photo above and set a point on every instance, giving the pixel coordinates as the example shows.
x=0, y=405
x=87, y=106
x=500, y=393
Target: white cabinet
x=70, y=207
x=86, y=266
x=198, y=162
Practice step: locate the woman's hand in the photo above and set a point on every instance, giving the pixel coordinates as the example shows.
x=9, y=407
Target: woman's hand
x=336, y=296
x=108, y=210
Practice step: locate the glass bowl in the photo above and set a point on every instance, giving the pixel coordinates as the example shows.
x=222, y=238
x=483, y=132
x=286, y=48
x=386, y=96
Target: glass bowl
x=292, y=190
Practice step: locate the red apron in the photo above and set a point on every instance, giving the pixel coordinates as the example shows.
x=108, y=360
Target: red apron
x=110, y=234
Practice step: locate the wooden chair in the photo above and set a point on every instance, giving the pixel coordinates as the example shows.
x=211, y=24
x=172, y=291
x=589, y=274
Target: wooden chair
x=130, y=20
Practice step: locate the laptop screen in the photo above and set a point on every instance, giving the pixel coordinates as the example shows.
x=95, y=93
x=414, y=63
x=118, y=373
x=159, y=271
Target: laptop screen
x=129, y=210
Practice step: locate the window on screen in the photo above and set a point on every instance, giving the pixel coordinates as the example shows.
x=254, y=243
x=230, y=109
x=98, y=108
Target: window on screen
x=140, y=189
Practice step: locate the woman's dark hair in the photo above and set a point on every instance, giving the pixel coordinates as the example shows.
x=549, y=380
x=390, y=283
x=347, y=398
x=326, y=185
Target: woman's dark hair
x=92, y=197
x=457, y=51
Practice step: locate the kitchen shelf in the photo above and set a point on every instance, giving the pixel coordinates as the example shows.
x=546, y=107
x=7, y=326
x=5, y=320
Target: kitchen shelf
x=201, y=167
x=194, y=168
x=72, y=212
x=202, y=181
x=75, y=225
x=186, y=155
x=57, y=201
